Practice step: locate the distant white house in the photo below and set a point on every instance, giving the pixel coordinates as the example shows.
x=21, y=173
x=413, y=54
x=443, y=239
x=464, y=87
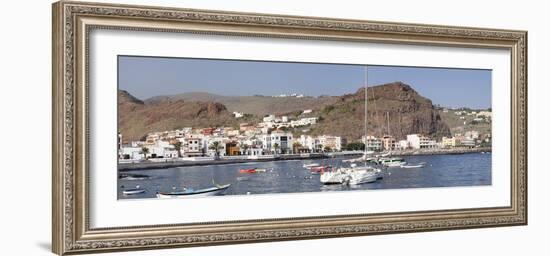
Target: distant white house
x=303, y=122
x=238, y=114
x=417, y=141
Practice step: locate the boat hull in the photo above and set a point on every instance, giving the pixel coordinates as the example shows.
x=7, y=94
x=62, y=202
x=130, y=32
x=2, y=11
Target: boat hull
x=133, y=191
x=351, y=176
x=213, y=191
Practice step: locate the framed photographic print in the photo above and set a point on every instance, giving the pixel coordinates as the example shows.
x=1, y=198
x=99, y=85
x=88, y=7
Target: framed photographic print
x=179, y=127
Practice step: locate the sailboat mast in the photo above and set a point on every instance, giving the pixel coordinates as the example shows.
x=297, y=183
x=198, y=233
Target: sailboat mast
x=366, y=123
x=388, y=120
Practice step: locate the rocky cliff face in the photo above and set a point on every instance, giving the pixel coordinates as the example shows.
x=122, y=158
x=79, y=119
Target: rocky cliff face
x=394, y=108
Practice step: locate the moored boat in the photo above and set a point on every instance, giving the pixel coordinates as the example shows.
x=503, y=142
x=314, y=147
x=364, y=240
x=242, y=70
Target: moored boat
x=132, y=176
x=361, y=175
x=320, y=169
x=189, y=193
x=252, y=170
x=309, y=166
x=133, y=191
x=351, y=175
x=411, y=166
x=392, y=162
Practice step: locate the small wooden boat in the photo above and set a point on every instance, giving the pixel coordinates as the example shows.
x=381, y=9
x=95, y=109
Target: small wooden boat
x=189, y=193
x=392, y=162
x=133, y=191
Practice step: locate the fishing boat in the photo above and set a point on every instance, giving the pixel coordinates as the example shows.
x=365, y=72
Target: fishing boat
x=320, y=169
x=131, y=176
x=252, y=170
x=309, y=166
x=392, y=162
x=190, y=193
x=133, y=191
x=410, y=166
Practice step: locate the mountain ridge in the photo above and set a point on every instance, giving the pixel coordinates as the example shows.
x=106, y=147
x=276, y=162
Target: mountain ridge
x=394, y=108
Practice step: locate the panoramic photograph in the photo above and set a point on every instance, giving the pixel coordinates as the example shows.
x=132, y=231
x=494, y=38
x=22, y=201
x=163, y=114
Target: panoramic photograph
x=191, y=128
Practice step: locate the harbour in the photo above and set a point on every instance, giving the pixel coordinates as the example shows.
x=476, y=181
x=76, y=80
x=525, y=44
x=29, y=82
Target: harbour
x=290, y=176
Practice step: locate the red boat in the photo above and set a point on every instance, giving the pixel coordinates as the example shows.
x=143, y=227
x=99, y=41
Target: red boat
x=321, y=169
x=253, y=170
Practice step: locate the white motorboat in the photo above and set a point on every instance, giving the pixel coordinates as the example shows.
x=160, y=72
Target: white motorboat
x=309, y=166
x=133, y=191
x=392, y=162
x=411, y=166
x=190, y=193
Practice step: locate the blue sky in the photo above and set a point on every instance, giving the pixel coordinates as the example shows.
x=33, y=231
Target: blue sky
x=145, y=77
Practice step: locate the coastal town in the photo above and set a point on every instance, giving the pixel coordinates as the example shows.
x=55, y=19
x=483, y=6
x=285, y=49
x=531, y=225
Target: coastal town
x=277, y=136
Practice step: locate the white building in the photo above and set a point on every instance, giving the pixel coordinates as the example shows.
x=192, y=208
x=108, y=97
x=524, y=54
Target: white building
x=472, y=135
x=372, y=143
x=238, y=114
x=277, y=142
x=312, y=143
x=208, y=142
x=403, y=144
x=269, y=118
x=331, y=142
x=417, y=141
x=192, y=146
x=131, y=153
x=303, y=122
x=485, y=114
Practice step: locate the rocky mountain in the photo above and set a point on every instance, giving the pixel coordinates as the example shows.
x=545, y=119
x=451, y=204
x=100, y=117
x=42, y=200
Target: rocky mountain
x=137, y=118
x=394, y=108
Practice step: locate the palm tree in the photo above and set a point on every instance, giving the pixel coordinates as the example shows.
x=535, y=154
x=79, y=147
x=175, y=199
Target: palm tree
x=144, y=151
x=177, y=147
x=216, y=146
x=245, y=149
x=296, y=146
x=276, y=147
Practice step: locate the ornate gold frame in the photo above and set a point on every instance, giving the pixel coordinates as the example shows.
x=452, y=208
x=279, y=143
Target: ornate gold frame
x=72, y=22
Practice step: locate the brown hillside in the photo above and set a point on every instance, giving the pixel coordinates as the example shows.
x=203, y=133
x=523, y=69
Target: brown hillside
x=136, y=119
x=407, y=112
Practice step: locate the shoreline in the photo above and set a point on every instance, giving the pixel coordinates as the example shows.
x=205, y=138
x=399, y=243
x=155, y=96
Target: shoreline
x=178, y=163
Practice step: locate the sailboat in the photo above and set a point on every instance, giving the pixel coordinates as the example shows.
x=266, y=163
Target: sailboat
x=354, y=175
